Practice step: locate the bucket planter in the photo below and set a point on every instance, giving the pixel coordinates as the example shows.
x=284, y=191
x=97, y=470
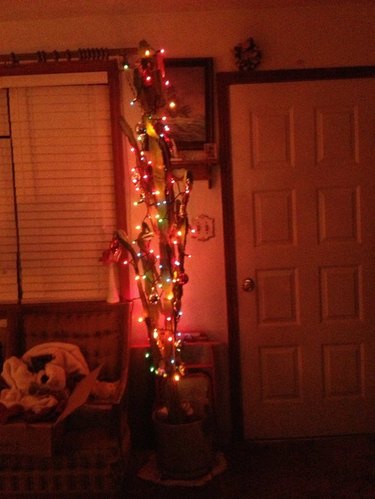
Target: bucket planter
x=184, y=451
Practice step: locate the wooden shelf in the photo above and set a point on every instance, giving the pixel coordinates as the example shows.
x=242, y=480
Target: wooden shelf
x=200, y=168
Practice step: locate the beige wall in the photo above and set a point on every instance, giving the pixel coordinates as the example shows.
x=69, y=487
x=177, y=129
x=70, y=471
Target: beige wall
x=319, y=36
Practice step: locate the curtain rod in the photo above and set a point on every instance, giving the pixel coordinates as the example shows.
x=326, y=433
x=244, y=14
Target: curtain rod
x=91, y=54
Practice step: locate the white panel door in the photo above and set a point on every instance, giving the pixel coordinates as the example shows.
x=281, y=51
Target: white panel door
x=304, y=197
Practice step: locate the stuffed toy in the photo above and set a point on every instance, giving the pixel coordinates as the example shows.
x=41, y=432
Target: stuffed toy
x=38, y=384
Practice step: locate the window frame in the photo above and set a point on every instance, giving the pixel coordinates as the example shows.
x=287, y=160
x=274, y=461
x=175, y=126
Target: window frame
x=111, y=68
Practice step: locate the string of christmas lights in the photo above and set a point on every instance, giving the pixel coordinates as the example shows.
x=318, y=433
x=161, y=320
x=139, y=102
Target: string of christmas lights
x=164, y=194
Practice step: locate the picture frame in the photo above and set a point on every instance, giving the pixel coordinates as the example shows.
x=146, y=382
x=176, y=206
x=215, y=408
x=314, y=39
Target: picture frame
x=191, y=87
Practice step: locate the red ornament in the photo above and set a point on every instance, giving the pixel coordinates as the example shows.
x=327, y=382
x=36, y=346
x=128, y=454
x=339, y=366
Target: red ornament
x=183, y=278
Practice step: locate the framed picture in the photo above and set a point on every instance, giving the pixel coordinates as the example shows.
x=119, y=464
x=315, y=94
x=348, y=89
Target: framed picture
x=191, y=88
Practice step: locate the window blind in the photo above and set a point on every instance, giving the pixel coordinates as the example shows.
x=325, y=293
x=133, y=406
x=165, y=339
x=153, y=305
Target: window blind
x=63, y=165
x=8, y=235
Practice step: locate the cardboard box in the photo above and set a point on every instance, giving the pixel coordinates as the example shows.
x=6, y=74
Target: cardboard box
x=43, y=439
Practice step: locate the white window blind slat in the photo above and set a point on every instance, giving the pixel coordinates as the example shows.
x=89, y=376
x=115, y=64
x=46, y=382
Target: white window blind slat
x=61, y=161
x=33, y=261
x=46, y=211
x=87, y=169
x=65, y=190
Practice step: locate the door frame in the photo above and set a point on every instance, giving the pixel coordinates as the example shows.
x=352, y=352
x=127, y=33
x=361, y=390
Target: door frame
x=224, y=81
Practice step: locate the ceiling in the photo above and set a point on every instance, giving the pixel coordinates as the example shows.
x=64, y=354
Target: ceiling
x=12, y=10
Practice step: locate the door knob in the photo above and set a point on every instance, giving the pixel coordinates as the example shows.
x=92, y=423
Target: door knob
x=248, y=284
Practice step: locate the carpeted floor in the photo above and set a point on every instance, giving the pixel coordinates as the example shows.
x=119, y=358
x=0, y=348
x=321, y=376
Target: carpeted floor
x=327, y=468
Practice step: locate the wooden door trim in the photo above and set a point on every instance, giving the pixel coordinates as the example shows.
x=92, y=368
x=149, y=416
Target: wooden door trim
x=224, y=81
